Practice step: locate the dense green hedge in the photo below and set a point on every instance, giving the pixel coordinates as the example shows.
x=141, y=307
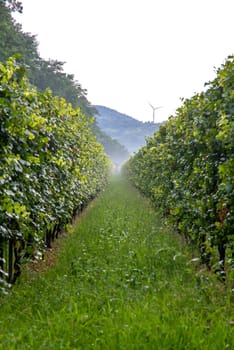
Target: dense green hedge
x=187, y=168
x=50, y=162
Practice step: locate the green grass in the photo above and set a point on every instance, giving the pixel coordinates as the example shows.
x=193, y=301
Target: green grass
x=121, y=281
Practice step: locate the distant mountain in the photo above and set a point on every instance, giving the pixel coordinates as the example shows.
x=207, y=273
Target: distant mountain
x=116, y=151
x=128, y=131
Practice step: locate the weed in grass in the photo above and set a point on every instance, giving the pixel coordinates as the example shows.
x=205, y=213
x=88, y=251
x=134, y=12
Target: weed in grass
x=121, y=281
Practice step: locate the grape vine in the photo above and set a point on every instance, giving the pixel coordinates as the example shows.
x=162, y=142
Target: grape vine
x=187, y=169
x=50, y=165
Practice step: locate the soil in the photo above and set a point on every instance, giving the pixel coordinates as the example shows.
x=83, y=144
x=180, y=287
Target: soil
x=49, y=256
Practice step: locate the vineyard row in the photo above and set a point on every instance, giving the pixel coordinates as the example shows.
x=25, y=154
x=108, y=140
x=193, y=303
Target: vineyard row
x=187, y=169
x=50, y=166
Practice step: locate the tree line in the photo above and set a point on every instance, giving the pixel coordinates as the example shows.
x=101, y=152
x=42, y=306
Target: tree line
x=41, y=73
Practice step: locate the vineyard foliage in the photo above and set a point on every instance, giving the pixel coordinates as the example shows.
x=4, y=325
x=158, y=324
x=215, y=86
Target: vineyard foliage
x=187, y=168
x=50, y=162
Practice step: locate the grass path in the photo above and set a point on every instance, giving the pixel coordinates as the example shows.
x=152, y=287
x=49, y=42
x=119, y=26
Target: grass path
x=121, y=281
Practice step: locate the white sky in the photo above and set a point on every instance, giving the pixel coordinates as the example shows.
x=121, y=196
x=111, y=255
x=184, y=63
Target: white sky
x=127, y=53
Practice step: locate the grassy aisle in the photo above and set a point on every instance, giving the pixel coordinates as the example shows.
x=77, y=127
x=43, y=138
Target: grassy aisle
x=120, y=282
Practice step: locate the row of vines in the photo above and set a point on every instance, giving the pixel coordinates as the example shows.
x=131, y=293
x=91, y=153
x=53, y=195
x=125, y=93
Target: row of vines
x=50, y=166
x=187, y=169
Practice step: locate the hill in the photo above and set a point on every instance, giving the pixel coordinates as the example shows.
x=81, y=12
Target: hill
x=128, y=131
x=116, y=151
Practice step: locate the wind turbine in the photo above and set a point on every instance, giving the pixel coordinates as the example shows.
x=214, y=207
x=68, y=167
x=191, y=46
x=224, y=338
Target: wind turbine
x=154, y=109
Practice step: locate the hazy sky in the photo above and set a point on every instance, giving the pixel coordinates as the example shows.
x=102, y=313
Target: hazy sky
x=127, y=53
